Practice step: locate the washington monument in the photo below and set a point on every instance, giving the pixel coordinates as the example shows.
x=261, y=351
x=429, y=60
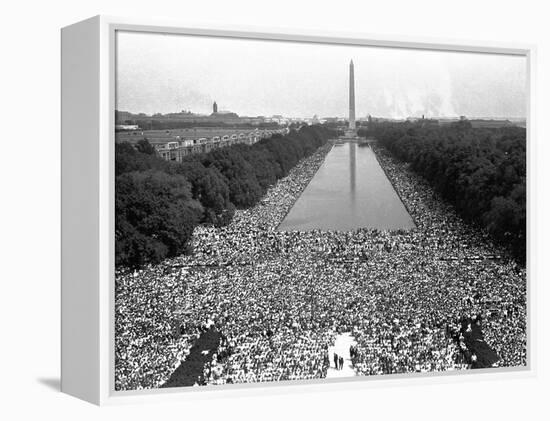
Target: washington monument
x=351, y=98
x=351, y=133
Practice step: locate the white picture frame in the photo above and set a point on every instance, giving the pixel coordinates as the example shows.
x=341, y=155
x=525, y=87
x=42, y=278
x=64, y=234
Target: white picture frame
x=88, y=100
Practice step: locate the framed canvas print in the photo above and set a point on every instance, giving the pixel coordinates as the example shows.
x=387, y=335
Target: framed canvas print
x=246, y=209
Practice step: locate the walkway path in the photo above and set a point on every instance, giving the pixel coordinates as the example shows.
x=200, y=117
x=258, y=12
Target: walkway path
x=341, y=347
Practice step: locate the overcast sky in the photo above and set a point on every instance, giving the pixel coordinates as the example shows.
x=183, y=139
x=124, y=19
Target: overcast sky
x=168, y=73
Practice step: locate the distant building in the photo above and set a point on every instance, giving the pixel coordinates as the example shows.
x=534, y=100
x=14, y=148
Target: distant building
x=126, y=127
x=279, y=119
x=177, y=149
x=226, y=114
x=187, y=117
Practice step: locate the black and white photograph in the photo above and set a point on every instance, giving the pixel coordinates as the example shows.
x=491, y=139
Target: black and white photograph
x=290, y=210
x=307, y=211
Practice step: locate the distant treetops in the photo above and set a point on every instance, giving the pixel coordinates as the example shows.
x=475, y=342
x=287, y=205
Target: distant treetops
x=481, y=171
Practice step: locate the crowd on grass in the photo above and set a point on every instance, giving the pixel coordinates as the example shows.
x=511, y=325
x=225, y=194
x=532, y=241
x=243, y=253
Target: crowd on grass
x=279, y=299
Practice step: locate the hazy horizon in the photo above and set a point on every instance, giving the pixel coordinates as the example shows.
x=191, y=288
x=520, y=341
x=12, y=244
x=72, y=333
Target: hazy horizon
x=159, y=73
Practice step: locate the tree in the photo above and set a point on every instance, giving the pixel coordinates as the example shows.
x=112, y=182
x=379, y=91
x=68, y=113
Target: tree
x=154, y=216
x=209, y=187
x=480, y=171
x=145, y=147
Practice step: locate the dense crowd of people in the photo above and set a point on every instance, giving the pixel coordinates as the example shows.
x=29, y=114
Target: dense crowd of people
x=281, y=298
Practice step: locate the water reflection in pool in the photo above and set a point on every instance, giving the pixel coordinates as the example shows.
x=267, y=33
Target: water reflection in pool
x=350, y=190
